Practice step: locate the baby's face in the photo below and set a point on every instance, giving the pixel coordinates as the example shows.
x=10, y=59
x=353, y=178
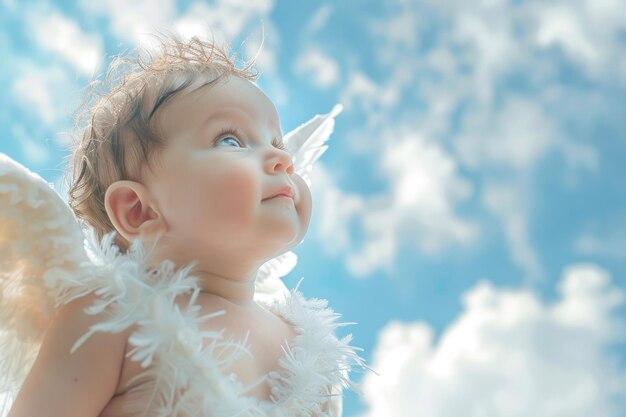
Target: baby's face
x=219, y=167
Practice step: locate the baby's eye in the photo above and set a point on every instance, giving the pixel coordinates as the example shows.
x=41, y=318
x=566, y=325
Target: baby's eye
x=230, y=138
x=229, y=134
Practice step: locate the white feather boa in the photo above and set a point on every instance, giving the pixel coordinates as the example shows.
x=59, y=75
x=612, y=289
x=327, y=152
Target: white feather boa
x=171, y=338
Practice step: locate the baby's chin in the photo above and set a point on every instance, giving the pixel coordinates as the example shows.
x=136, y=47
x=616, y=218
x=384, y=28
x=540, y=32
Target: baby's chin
x=304, y=227
x=289, y=246
x=292, y=238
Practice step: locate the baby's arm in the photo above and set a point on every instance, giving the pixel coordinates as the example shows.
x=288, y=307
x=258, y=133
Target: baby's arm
x=78, y=384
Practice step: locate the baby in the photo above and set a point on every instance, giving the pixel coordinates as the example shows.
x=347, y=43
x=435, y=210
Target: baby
x=184, y=154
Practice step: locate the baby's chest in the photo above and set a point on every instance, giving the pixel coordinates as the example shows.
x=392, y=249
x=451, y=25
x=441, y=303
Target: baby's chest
x=267, y=340
x=267, y=336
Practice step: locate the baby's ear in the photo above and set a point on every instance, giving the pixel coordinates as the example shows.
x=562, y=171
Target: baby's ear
x=132, y=210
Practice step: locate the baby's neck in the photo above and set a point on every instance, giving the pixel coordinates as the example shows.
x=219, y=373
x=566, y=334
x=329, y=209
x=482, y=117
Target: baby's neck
x=239, y=292
x=229, y=278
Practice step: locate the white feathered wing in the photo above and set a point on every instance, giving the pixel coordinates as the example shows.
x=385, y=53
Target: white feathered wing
x=40, y=244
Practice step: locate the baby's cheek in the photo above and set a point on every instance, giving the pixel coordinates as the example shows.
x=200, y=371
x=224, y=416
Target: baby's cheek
x=304, y=205
x=236, y=196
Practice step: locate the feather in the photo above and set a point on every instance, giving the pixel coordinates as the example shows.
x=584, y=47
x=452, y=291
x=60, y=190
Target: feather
x=268, y=284
x=306, y=143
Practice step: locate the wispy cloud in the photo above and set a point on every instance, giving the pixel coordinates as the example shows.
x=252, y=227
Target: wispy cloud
x=608, y=245
x=587, y=31
x=319, y=19
x=132, y=21
x=45, y=93
x=374, y=98
x=485, y=84
x=322, y=70
x=32, y=149
x=226, y=19
x=603, y=237
x=516, y=135
x=226, y=22
x=504, y=201
x=61, y=35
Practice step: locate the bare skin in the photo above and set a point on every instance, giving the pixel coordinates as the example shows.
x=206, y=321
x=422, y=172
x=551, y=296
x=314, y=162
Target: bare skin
x=207, y=202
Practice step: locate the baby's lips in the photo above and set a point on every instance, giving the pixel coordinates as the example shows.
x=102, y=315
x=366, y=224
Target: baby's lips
x=285, y=190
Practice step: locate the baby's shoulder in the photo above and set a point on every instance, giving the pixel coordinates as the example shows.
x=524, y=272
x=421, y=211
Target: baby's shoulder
x=73, y=318
x=70, y=379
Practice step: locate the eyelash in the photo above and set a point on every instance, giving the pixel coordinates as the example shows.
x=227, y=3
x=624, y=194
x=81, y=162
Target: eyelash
x=234, y=132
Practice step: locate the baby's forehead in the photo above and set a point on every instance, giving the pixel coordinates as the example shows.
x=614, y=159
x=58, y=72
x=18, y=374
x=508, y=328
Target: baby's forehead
x=206, y=103
x=223, y=97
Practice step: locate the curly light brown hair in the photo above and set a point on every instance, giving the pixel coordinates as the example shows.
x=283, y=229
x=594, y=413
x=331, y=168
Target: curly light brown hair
x=117, y=131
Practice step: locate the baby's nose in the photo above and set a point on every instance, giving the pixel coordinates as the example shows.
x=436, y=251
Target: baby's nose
x=281, y=161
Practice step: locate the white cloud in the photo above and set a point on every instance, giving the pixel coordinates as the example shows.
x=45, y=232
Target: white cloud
x=473, y=49
x=335, y=210
x=34, y=152
x=509, y=142
x=227, y=20
x=605, y=238
x=419, y=209
x=360, y=86
x=476, y=46
x=322, y=70
x=506, y=203
x=398, y=32
x=492, y=49
x=607, y=246
x=9, y=4
x=399, y=29
x=319, y=18
x=425, y=188
x=507, y=354
x=588, y=32
x=376, y=100
x=516, y=135
x=377, y=252
x=222, y=21
x=61, y=35
x=560, y=24
x=263, y=45
x=132, y=21
x=581, y=156
x=45, y=92
x=483, y=83
x=459, y=92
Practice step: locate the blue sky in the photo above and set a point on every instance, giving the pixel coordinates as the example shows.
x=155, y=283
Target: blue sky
x=470, y=214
